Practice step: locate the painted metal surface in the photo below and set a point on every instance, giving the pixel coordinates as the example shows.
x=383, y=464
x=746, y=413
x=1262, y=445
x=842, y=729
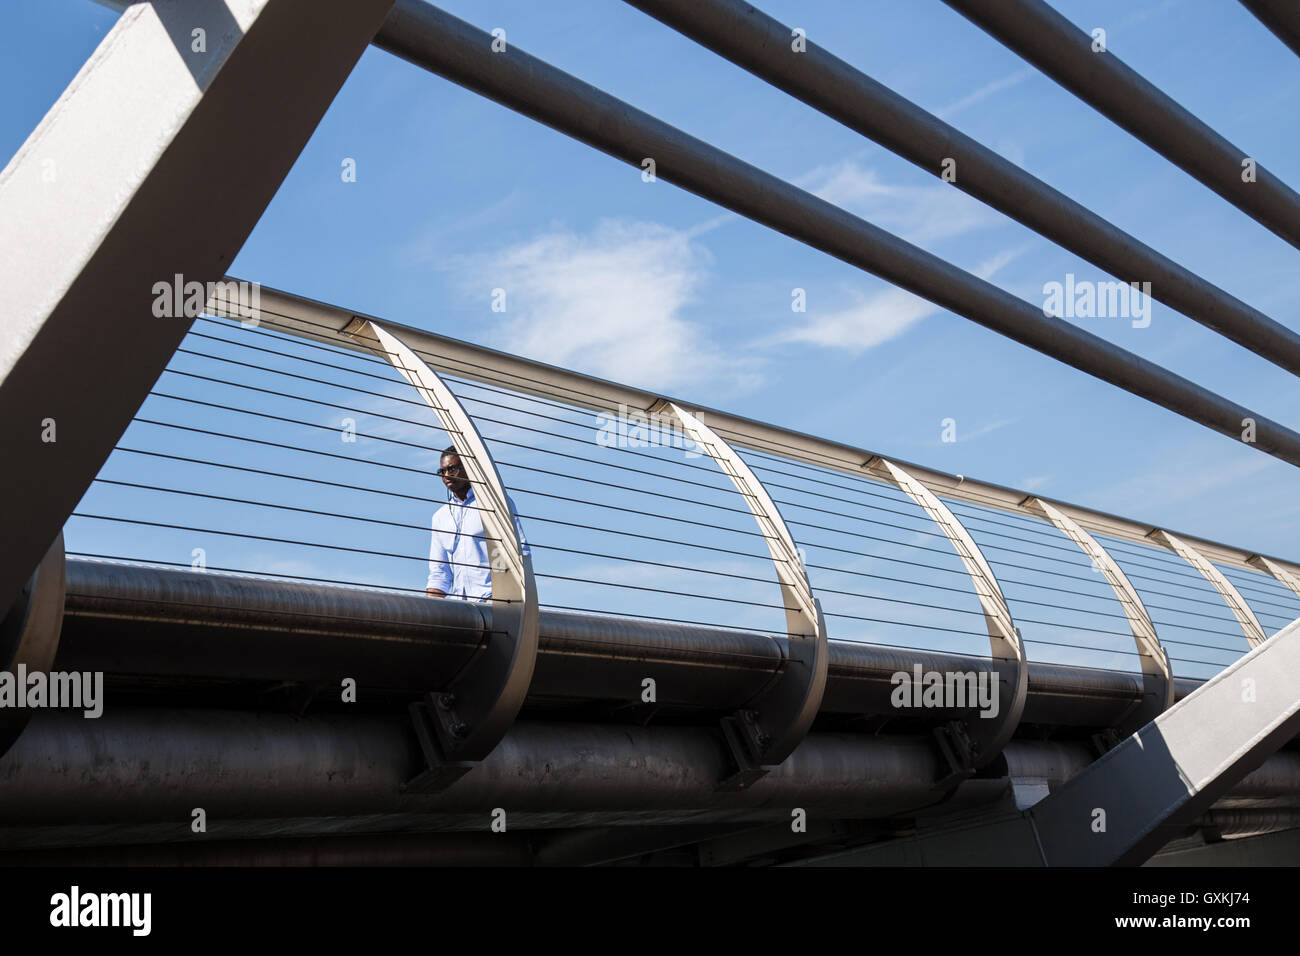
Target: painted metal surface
x=1250, y=625
x=1269, y=566
x=784, y=713
x=443, y=44
x=490, y=690
x=987, y=735
x=1157, y=673
x=29, y=635
x=758, y=43
x=318, y=321
x=1092, y=72
x=1129, y=803
x=89, y=234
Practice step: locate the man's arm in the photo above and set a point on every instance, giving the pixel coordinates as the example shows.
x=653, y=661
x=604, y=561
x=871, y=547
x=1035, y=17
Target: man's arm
x=439, y=582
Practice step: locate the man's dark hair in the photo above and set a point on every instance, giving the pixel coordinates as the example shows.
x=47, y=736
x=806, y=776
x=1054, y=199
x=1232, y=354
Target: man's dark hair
x=449, y=450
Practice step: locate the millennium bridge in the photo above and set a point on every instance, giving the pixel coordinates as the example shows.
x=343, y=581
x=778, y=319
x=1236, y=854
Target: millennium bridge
x=710, y=640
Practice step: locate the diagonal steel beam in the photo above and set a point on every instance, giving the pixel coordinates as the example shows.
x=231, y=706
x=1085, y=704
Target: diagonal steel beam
x=760, y=44
x=1062, y=51
x=443, y=44
x=1280, y=16
x=140, y=173
x=1124, y=807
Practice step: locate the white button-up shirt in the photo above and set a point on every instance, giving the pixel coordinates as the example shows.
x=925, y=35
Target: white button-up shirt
x=460, y=555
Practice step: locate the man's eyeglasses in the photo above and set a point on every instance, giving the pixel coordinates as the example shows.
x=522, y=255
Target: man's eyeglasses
x=452, y=470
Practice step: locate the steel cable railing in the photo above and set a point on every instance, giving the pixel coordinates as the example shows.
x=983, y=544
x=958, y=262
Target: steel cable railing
x=290, y=458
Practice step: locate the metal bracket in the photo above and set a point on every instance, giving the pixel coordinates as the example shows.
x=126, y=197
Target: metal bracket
x=1255, y=635
x=456, y=731
x=29, y=633
x=1157, y=675
x=770, y=727
x=954, y=746
x=983, y=739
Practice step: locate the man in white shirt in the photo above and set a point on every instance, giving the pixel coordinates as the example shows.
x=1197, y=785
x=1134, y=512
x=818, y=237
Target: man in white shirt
x=460, y=563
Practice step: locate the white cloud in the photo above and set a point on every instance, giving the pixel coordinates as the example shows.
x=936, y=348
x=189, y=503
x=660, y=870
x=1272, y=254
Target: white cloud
x=984, y=92
x=875, y=319
x=1186, y=478
x=608, y=303
x=918, y=214
x=985, y=429
x=870, y=321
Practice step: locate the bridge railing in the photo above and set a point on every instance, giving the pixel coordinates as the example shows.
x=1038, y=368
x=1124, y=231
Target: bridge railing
x=284, y=448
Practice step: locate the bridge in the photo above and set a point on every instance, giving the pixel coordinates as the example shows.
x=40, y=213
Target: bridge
x=717, y=641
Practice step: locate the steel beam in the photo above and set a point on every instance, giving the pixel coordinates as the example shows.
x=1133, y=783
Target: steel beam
x=443, y=44
x=319, y=321
x=1065, y=53
x=1231, y=596
x=1157, y=675
x=141, y=764
x=762, y=45
x=29, y=634
x=981, y=739
x=1128, y=804
x=1142, y=793
x=88, y=228
x=182, y=631
x=1280, y=16
x=767, y=729
x=456, y=730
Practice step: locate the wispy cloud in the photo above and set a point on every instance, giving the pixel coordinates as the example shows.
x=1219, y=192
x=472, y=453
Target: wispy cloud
x=919, y=214
x=986, y=429
x=437, y=241
x=984, y=92
x=609, y=302
x=1185, y=478
x=875, y=319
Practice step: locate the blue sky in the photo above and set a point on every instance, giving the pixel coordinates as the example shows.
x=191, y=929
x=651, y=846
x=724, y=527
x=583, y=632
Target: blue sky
x=646, y=284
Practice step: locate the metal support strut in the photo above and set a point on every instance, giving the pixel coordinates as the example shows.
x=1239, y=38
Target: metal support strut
x=974, y=743
x=458, y=729
x=1232, y=597
x=1157, y=675
x=29, y=634
x=767, y=729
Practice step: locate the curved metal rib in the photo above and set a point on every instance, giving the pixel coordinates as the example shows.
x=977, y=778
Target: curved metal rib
x=774, y=724
x=1255, y=635
x=1276, y=570
x=987, y=736
x=490, y=691
x=29, y=633
x=1157, y=675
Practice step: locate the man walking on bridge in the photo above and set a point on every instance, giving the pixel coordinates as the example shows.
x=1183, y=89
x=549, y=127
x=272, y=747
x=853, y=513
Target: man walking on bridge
x=460, y=563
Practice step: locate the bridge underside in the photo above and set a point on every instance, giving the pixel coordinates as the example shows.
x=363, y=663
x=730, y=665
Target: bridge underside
x=225, y=699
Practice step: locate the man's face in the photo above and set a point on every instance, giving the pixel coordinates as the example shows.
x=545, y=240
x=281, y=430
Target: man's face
x=453, y=476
